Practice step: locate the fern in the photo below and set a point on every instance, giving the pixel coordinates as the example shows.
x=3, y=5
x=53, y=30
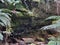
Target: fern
x=53, y=25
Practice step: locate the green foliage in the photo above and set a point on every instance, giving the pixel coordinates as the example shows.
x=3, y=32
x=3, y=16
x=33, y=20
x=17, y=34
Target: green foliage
x=19, y=15
x=15, y=7
x=56, y=23
x=13, y=4
x=5, y=19
x=53, y=18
